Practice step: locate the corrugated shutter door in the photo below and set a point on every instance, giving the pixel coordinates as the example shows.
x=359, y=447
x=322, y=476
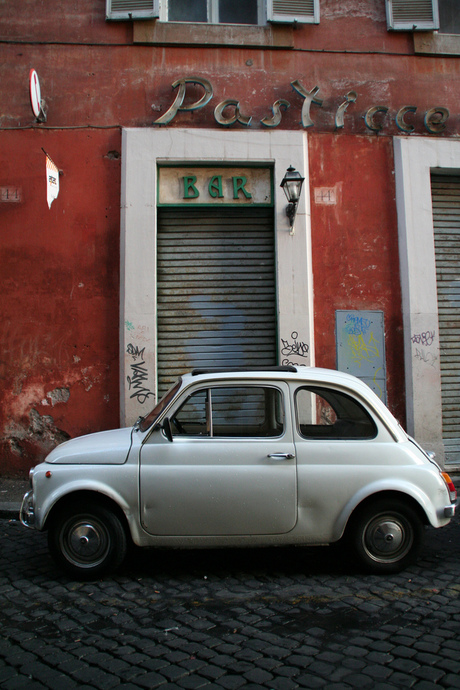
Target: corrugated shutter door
x=446, y=219
x=215, y=289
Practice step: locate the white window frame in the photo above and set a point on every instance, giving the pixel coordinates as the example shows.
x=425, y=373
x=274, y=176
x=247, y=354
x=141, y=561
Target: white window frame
x=213, y=13
x=123, y=10
x=414, y=24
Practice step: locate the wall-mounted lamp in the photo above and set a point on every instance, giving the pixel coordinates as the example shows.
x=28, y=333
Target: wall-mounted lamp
x=292, y=186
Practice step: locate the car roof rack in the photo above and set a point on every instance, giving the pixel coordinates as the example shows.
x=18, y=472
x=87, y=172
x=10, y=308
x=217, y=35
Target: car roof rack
x=236, y=370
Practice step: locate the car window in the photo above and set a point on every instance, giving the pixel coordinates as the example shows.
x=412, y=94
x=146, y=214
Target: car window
x=147, y=421
x=330, y=414
x=231, y=411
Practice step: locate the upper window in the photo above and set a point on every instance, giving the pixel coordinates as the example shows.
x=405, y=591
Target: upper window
x=217, y=12
x=324, y=413
x=231, y=411
x=412, y=15
x=424, y=15
x=212, y=11
x=449, y=16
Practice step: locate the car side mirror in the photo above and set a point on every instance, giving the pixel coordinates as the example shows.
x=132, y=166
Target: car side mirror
x=166, y=426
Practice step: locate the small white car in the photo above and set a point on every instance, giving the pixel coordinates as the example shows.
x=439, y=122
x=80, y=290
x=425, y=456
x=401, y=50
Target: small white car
x=279, y=456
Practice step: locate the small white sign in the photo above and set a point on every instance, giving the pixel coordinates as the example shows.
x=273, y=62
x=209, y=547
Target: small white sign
x=52, y=181
x=35, y=94
x=327, y=196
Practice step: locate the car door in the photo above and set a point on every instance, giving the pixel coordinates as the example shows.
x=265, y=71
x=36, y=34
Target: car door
x=230, y=468
x=341, y=448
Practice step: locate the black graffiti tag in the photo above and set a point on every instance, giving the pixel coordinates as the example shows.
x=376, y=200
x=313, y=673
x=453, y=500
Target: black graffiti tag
x=426, y=338
x=139, y=375
x=295, y=348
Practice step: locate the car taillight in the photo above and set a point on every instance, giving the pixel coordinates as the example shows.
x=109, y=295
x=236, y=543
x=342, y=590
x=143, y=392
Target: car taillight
x=451, y=487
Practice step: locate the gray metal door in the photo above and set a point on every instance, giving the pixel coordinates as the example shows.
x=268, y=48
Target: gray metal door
x=216, y=294
x=446, y=220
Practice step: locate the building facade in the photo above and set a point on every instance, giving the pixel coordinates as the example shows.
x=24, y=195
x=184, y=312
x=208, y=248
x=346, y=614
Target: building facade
x=167, y=129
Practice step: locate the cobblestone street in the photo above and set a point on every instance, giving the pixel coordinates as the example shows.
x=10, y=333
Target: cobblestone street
x=272, y=618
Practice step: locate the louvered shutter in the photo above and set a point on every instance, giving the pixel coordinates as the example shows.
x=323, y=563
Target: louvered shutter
x=216, y=294
x=412, y=15
x=132, y=9
x=446, y=222
x=290, y=11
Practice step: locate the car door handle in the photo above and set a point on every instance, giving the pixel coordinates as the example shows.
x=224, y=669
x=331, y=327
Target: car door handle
x=281, y=456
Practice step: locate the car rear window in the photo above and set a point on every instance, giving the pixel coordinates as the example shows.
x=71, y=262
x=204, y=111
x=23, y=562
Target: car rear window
x=325, y=413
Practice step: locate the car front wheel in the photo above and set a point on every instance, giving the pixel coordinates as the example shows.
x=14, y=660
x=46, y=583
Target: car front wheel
x=87, y=542
x=387, y=536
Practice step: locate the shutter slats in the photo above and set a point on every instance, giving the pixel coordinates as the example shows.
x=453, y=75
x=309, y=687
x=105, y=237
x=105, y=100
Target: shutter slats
x=302, y=11
x=412, y=15
x=216, y=296
x=446, y=222
x=132, y=9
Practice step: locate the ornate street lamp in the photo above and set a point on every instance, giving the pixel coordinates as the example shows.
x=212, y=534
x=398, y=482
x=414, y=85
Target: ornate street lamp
x=292, y=186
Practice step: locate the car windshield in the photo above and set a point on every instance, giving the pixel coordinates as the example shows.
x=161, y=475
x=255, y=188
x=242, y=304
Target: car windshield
x=149, y=419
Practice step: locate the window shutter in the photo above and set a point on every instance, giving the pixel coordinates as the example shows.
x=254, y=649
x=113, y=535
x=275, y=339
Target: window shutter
x=132, y=9
x=290, y=11
x=412, y=15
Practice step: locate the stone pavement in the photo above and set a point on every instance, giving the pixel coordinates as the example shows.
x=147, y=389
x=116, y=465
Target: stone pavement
x=11, y=493
x=274, y=619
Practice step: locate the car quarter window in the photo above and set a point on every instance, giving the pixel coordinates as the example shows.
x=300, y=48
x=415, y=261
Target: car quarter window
x=231, y=411
x=325, y=413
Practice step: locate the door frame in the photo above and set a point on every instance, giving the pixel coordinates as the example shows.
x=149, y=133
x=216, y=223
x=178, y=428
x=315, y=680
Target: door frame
x=143, y=151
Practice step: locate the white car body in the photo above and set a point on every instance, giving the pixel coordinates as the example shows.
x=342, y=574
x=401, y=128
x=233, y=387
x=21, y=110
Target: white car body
x=295, y=484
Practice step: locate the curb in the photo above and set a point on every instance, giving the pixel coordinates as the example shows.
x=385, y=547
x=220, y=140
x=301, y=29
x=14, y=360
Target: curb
x=9, y=511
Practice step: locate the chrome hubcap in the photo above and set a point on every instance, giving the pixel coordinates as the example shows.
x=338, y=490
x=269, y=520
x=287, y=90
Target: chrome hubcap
x=387, y=538
x=85, y=543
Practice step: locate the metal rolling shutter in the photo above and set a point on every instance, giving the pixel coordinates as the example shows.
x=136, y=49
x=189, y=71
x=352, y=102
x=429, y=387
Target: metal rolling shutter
x=446, y=220
x=215, y=289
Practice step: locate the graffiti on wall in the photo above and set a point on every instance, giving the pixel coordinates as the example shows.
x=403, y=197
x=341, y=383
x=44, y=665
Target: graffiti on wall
x=293, y=349
x=361, y=347
x=423, y=342
x=138, y=375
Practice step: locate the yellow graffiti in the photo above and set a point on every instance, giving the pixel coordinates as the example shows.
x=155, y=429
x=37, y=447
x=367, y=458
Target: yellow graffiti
x=379, y=392
x=361, y=351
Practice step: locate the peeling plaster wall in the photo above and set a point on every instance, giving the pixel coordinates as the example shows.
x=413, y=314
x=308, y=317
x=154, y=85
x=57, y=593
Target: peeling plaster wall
x=60, y=291
x=60, y=279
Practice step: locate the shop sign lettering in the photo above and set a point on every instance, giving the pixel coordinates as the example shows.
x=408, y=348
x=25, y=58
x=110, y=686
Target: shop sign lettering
x=215, y=185
x=228, y=112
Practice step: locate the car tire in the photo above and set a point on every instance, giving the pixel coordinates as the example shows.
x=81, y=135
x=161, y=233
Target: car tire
x=87, y=541
x=387, y=536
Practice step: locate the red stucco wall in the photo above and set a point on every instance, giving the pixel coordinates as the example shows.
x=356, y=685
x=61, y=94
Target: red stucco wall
x=59, y=292
x=355, y=245
x=60, y=267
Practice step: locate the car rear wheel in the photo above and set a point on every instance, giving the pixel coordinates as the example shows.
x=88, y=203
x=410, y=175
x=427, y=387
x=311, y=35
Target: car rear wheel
x=387, y=536
x=87, y=542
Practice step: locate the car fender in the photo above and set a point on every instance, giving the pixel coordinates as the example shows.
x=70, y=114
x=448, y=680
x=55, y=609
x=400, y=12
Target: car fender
x=66, y=490
x=402, y=487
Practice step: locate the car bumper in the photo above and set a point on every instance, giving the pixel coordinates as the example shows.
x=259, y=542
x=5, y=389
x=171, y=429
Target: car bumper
x=27, y=512
x=449, y=511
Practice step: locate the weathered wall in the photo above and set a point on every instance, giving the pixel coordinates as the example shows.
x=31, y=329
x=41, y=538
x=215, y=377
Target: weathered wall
x=60, y=267
x=355, y=245
x=59, y=292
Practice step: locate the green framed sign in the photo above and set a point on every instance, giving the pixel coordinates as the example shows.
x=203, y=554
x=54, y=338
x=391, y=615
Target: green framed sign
x=215, y=185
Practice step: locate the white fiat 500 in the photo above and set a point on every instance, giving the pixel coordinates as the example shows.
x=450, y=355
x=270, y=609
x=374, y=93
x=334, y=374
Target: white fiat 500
x=243, y=458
